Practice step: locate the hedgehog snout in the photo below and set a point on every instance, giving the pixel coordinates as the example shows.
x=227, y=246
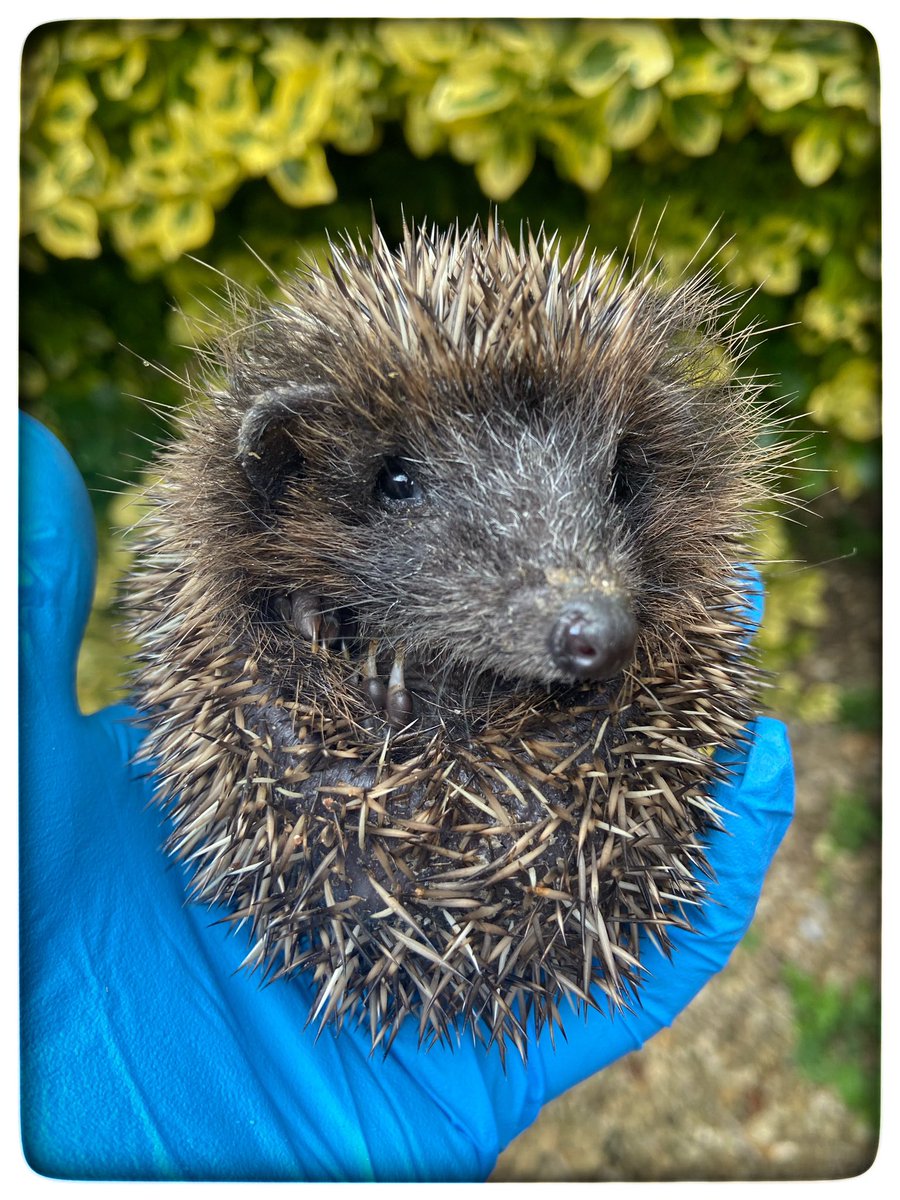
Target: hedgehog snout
x=593, y=638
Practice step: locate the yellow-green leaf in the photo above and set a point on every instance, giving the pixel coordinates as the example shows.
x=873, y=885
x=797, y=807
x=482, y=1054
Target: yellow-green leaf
x=91, y=45
x=305, y=181
x=604, y=62
x=470, y=93
x=816, y=152
x=533, y=49
x=861, y=139
x=119, y=77
x=781, y=275
x=750, y=41
x=472, y=140
x=256, y=153
x=301, y=104
x=701, y=72
x=829, y=42
x=147, y=93
x=414, y=44
x=83, y=167
x=134, y=227
x=784, y=79
x=183, y=225
x=41, y=188
x=39, y=66
x=840, y=313
x=70, y=229
x=630, y=114
x=423, y=134
x=580, y=154
x=351, y=129
x=647, y=51
x=225, y=91
x=694, y=126
x=850, y=401
x=288, y=51
x=846, y=86
x=66, y=110
x=506, y=167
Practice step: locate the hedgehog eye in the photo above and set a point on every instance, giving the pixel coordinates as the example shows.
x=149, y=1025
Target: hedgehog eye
x=623, y=484
x=396, y=484
x=627, y=480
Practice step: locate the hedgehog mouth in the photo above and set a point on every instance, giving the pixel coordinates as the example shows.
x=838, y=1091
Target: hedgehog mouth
x=415, y=685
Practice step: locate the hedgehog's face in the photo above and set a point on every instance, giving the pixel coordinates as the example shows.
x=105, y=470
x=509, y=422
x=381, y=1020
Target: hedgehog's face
x=503, y=540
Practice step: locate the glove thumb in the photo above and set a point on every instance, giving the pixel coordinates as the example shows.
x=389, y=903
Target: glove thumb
x=57, y=559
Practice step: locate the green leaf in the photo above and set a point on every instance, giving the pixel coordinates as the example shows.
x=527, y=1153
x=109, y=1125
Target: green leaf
x=133, y=227
x=225, y=91
x=423, y=134
x=184, y=224
x=750, y=41
x=580, y=154
x=829, y=42
x=351, y=129
x=784, y=80
x=415, y=44
x=647, y=49
x=603, y=63
x=701, y=72
x=694, y=126
x=303, y=182
x=91, y=45
x=473, y=140
x=861, y=139
x=70, y=229
x=119, y=78
x=66, y=109
x=470, y=93
x=506, y=167
x=816, y=153
x=850, y=402
x=301, y=104
x=630, y=115
x=846, y=86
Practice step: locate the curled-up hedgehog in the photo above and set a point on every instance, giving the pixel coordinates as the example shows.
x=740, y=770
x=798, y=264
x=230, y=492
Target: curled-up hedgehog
x=440, y=625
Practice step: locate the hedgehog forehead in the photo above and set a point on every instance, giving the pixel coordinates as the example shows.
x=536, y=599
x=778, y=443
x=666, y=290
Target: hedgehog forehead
x=401, y=367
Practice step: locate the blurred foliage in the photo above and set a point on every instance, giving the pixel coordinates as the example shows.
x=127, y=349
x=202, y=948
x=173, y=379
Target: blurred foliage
x=145, y=142
x=838, y=1032
x=860, y=709
x=854, y=821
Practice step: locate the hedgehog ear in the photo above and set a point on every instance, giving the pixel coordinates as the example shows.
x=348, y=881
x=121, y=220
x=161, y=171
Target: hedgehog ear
x=266, y=452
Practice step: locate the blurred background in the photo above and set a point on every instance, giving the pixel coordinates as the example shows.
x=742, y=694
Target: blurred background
x=160, y=156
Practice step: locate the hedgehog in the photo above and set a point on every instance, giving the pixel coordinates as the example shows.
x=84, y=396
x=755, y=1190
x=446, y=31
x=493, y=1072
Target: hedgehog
x=441, y=606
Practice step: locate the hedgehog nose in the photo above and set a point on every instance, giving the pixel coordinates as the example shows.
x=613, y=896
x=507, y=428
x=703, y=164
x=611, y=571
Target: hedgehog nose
x=595, y=639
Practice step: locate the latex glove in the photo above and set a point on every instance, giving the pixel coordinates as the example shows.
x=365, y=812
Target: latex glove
x=145, y=1056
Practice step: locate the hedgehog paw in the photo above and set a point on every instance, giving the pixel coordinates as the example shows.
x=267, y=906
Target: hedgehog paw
x=395, y=700
x=304, y=611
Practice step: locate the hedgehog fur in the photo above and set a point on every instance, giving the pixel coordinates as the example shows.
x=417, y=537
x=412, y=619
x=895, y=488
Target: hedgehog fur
x=440, y=624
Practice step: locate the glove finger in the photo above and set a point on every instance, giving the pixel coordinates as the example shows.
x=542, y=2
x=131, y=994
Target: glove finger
x=57, y=558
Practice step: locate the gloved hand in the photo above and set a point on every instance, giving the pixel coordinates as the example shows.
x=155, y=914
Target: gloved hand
x=145, y=1056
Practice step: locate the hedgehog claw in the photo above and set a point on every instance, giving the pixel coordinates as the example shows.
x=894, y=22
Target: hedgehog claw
x=307, y=617
x=395, y=700
x=375, y=688
x=399, y=701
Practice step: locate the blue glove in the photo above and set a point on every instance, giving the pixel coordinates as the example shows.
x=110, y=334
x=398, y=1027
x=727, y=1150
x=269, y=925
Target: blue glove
x=145, y=1056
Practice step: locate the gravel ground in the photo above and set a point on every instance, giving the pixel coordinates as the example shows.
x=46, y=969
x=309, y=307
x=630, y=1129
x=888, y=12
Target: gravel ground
x=720, y=1096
